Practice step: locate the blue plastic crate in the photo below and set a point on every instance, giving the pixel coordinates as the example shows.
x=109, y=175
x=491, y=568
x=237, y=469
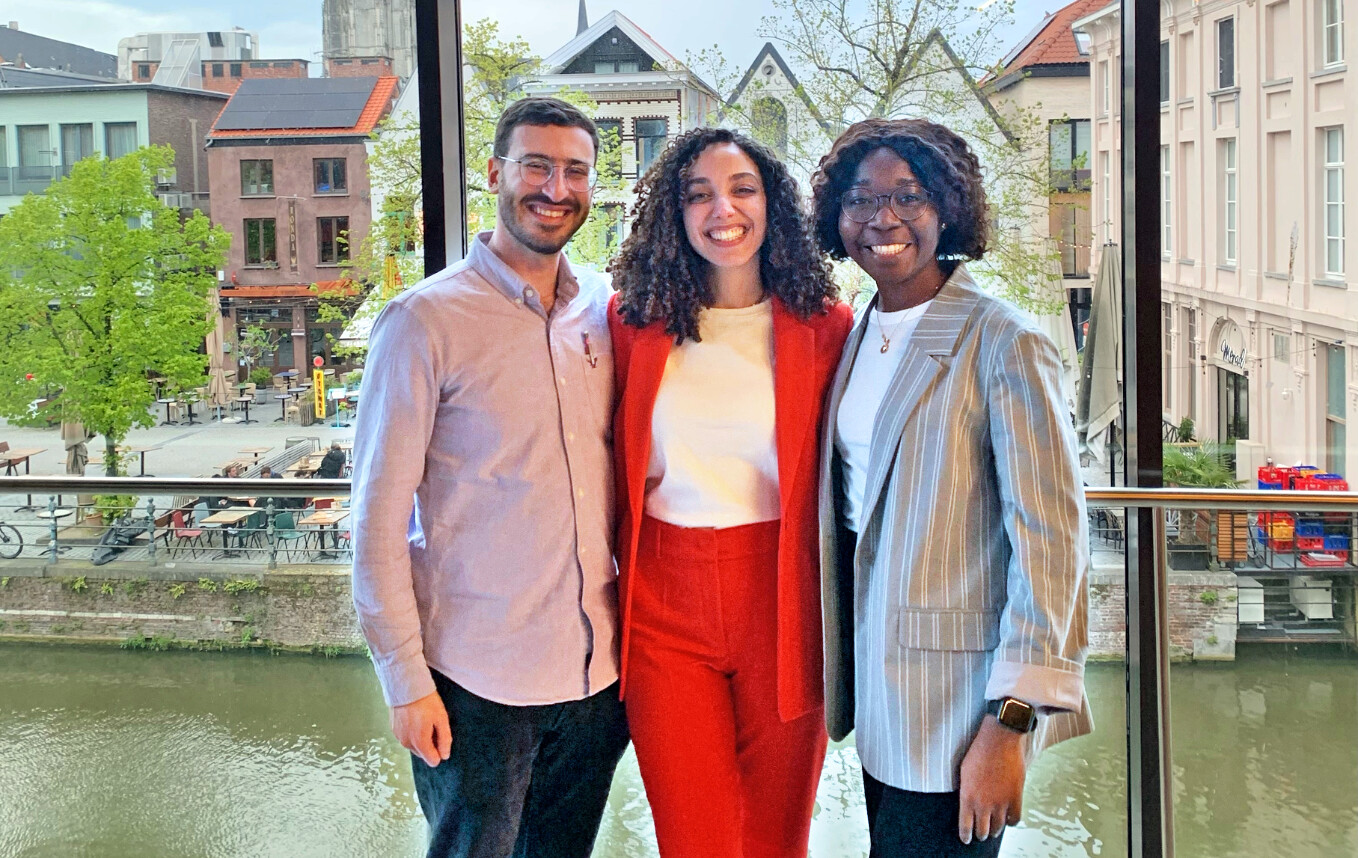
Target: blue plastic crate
x=1336, y=543
x=1265, y=487
x=1310, y=529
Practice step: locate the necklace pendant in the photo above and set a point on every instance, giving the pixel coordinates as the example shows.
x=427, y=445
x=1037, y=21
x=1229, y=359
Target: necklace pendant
x=886, y=344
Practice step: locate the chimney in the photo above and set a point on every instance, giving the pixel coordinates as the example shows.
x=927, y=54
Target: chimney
x=14, y=25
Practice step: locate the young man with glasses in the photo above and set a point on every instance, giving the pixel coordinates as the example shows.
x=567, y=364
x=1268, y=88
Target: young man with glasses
x=483, y=571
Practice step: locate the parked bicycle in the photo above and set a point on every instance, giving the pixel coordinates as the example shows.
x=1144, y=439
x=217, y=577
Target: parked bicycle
x=11, y=541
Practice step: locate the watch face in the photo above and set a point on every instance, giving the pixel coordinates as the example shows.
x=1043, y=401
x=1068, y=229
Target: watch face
x=1017, y=715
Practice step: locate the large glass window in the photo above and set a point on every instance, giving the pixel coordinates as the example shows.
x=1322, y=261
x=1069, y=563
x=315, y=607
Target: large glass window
x=331, y=176
x=1068, y=142
x=1333, y=192
x=1164, y=72
x=1336, y=412
x=1167, y=356
x=35, y=152
x=1230, y=202
x=120, y=138
x=259, y=242
x=332, y=240
x=1332, y=31
x=1226, y=53
x=77, y=143
x=256, y=177
x=651, y=134
x=1166, y=204
x=610, y=151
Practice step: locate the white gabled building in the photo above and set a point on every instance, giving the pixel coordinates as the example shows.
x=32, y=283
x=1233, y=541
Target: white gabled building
x=771, y=105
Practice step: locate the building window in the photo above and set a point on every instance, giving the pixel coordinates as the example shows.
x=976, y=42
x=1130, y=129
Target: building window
x=144, y=71
x=620, y=67
x=1334, y=202
x=650, y=134
x=1166, y=206
x=1230, y=198
x=259, y=242
x=120, y=138
x=330, y=176
x=1070, y=227
x=1167, y=359
x=285, y=65
x=1164, y=72
x=35, y=152
x=370, y=61
x=1282, y=348
x=1083, y=42
x=259, y=65
x=1335, y=413
x=1106, y=215
x=235, y=69
x=1332, y=29
x=1106, y=89
x=77, y=144
x=256, y=178
x=217, y=69
x=1226, y=53
x=214, y=39
x=332, y=240
x=610, y=151
x=1068, y=141
x=613, y=216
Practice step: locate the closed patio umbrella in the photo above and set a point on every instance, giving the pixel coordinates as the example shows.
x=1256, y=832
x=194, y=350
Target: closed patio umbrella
x=218, y=388
x=1099, y=399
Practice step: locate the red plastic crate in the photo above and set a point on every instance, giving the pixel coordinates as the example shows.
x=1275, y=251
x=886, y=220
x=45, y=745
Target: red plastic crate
x=1327, y=559
x=1311, y=543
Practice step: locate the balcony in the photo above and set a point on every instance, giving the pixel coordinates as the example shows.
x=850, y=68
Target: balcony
x=17, y=181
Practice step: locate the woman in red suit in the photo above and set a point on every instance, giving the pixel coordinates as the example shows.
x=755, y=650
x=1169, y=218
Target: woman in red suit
x=726, y=332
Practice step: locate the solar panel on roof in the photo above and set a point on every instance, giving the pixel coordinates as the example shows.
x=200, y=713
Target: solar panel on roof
x=261, y=104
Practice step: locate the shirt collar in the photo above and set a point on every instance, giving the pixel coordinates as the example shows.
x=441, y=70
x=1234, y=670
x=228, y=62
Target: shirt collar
x=507, y=280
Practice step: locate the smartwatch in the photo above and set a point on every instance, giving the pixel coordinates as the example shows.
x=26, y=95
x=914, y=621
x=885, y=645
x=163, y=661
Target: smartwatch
x=1013, y=713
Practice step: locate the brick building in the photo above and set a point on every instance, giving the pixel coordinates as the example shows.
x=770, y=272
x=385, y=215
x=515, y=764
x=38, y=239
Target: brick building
x=289, y=170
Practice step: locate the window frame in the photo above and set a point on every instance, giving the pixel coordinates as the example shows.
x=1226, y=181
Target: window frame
x=1333, y=244
x=258, y=184
x=1226, y=67
x=263, y=260
x=645, y=140
x=1166, y=202
x=1230, y=202
x=336, y=224
x=112, y=127
x=1332, y=51
x=332, y=190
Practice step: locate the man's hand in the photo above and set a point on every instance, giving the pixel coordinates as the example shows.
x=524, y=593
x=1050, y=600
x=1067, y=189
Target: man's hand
x=422, y=727
x=992, y=782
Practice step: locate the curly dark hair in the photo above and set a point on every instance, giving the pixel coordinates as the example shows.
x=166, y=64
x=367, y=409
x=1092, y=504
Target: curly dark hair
x=659, y=275
x=941, y=160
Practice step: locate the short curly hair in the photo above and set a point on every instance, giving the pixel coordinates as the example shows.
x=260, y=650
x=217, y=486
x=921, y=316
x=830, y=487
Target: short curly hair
x=939, y=158
x=658, y=274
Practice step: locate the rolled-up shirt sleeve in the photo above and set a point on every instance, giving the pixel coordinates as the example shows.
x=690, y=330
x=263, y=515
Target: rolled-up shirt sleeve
x=401, y=392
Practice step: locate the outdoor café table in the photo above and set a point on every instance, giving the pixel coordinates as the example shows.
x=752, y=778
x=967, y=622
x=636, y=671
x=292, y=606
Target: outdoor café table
x=282, y=407
x=141, y=451
x=307, y=466
x=12, y=458
x=256, y=452
x=245, y=401
x=322, y=519
x=188, y=406
x=167, y=401
x=226, y=518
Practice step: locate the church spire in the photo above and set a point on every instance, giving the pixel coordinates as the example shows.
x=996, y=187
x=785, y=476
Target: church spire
x=583, y=24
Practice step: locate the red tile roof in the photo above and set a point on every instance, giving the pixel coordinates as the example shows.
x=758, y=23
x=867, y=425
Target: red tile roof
x=379, y=102
x=1055, y=43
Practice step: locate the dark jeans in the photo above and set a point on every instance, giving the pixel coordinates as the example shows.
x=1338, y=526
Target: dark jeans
x=521, y=781
x=907, y=824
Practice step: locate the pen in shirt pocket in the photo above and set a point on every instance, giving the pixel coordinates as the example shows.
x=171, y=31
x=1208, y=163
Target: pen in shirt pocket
x=590, y=357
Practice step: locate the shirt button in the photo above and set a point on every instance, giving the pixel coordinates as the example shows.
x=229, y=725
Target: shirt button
x=570, y=436
x=580, y=493
x=518, y=301
x=529, y=293
x=562, y=379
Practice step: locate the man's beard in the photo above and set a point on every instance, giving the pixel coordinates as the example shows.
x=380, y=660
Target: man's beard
x=508, y=212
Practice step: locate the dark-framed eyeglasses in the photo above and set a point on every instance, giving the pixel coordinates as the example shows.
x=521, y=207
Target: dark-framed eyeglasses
x=538, y=172
x=860, y=206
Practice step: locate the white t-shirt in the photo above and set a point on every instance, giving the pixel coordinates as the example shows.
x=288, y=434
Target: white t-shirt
x=714, y=456
x=873, y=370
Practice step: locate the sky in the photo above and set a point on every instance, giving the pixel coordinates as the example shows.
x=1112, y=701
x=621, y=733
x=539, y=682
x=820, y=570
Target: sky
x=292, y=28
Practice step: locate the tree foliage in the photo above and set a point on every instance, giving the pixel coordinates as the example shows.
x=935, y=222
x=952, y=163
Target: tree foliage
x=101, y=288
x=901, y=58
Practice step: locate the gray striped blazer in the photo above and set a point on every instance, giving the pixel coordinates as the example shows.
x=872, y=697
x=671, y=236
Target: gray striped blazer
x=969, y=580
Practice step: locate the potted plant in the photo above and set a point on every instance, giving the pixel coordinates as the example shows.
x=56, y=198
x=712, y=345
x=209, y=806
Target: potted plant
x=1204, y=465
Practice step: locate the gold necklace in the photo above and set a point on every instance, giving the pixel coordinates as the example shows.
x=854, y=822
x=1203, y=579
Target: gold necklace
x=886, y=341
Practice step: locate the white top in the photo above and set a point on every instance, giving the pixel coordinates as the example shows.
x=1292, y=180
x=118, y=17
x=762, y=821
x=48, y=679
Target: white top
x=872, y=372
x=714, y=456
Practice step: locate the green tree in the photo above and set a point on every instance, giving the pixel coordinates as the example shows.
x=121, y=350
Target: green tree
x=388, y=258
x=101, y=287
x=897, y=59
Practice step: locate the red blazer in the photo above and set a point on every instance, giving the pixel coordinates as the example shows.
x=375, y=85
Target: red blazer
x=806, y=354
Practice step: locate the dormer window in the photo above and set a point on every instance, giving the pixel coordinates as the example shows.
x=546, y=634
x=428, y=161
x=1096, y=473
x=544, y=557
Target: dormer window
x=619, y=67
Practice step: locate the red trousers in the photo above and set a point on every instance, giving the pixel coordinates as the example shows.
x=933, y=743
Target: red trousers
x=725, y=777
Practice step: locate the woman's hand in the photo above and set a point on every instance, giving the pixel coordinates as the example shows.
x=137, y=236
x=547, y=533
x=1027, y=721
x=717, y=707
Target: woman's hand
x=992, y=782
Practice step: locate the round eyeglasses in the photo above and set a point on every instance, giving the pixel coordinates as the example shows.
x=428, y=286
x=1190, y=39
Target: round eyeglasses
x=860, y=206
x=538, y=172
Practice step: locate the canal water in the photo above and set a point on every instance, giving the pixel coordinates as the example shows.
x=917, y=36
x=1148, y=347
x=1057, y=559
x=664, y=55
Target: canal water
x=106, y=753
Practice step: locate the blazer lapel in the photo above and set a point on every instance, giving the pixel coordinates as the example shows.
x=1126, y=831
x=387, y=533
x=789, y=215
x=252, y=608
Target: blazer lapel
x=928, y=353
x=646, y=367
x=794, y=355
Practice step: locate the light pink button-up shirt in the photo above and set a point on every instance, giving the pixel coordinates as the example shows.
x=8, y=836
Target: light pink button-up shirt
x=483, y=508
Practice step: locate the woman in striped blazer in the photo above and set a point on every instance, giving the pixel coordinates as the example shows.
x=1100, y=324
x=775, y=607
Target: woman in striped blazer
x=952, y=522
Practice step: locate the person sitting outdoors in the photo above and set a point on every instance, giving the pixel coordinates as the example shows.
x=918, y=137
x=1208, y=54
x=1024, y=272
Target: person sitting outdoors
x=332, y=466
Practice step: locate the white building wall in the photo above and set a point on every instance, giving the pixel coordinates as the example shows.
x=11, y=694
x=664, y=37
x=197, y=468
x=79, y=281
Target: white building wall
x=1282, y=101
